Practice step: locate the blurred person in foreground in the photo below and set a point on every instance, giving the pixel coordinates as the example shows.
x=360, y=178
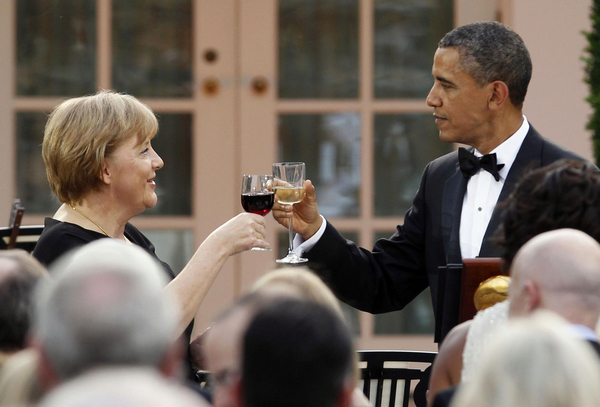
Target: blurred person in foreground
x=222, y=343
x=481, y=72
x=535, y=362
x=556, y=271
x=296, y=353
x=105, y=307
x=101, y=165
x=19, y=274
x=565, y=194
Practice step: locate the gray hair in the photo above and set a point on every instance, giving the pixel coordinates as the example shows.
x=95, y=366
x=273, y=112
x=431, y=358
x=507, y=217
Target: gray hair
x=536, y=362
x=105, y=306
x=490, y=51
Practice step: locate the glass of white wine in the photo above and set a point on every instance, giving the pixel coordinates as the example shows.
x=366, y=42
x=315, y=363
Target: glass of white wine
x=288, y=184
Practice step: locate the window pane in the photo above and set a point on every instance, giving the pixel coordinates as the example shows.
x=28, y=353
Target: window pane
x=404, y=145
x=350, y=313
x=415, y=318
x=32, y=185
x=406, y=37
x=174, y=247
x=56, y=47
x=329, y=144
x=318, y=49
x=152, y=47
x=174, y=181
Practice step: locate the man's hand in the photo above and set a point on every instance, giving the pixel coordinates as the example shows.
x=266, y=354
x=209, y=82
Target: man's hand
x=307, y=219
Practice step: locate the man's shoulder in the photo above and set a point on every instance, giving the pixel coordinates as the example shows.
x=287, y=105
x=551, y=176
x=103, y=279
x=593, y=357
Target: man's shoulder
x=445, y=164
x=551, y=151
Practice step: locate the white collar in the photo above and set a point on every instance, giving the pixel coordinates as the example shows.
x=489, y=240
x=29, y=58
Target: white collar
x=508, y=150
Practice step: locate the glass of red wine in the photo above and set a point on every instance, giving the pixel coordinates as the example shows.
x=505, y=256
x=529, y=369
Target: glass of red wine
x=257, y=195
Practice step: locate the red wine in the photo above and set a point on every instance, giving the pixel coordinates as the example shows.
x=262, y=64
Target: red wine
x=259, y=203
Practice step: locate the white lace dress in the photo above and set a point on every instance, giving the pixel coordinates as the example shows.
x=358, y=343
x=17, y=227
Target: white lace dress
x=484, y=328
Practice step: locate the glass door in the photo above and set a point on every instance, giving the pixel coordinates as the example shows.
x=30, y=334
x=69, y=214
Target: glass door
x=238, y=85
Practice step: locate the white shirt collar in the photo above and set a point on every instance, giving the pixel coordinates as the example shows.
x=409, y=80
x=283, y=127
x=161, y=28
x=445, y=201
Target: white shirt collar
x=507, y=151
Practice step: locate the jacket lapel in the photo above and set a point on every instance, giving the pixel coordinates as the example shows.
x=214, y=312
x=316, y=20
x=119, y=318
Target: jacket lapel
x=528, y=158
x=452, y=201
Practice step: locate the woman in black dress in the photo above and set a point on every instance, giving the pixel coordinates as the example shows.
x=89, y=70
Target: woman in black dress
x=101, y=166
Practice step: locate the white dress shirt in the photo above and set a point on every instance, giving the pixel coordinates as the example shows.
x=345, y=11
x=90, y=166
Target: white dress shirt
x=483, y=192
x=478, y=205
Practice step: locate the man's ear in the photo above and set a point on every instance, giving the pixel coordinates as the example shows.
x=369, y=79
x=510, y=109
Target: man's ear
x=499, y=95
x=350, y=396
x=533, y=299
x=171, y=364
x=48, y=377
x=237, y=386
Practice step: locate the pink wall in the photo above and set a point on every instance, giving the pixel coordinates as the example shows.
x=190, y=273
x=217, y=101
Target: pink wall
x=555, y=102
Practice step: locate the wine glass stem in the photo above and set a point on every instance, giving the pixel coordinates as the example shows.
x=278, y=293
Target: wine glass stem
x=291, y=232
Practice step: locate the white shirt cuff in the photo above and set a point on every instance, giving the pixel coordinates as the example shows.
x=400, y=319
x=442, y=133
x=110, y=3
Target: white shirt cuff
x=302, y=246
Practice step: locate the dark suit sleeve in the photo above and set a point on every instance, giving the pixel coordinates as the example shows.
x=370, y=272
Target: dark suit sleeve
x=383, y=280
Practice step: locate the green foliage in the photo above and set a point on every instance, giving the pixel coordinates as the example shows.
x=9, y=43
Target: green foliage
x=592, y=69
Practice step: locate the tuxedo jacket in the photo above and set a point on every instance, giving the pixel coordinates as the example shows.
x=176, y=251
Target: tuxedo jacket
x=398, y=269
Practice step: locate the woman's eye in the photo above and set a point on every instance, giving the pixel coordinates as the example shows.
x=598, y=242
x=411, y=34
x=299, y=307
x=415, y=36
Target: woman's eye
x=145, y=151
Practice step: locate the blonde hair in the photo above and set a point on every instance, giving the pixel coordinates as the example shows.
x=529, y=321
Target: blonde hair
x=304, y=282
x=536, y=362
x=82, y=132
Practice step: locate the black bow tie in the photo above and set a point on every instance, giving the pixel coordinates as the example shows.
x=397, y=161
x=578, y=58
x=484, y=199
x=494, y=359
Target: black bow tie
x=470, y=164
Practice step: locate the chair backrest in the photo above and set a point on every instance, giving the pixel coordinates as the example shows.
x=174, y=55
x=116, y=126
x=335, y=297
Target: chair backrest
x=26, y=239
x=396, y=377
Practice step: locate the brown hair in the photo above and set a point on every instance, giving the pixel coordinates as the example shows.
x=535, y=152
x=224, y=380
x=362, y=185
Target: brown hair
x=82, y=132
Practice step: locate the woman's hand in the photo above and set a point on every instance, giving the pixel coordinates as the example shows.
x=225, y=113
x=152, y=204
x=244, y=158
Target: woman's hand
x=241, y=233
x=307, y=219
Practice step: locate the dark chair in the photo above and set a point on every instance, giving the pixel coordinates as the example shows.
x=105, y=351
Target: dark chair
x=404, y=373
x=17, y=236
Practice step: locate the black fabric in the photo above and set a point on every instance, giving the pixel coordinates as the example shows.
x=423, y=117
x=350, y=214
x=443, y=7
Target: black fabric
x=59, y=238
x=470, y=164
x=399, y=268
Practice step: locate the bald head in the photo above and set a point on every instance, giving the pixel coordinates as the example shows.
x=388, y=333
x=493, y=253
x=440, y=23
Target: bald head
x=558, y=271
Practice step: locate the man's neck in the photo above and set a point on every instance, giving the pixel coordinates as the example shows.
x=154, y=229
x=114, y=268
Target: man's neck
x=502, y=128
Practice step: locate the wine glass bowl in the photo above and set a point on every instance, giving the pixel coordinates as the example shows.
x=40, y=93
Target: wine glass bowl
x=288, y=184
x=257, y=196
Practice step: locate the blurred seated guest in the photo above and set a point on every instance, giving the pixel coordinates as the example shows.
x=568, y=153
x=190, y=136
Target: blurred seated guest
x=534, y=362
x=20, y=384
x=557, y=271
x=222, y=343
x=19, y=273
x=105, y=307
x=296, y=353
x=101, y=165
x=121, y=387
x=565, y=194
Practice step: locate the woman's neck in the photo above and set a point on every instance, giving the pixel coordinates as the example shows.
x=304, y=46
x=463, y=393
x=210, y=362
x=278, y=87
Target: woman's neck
x=96, y=215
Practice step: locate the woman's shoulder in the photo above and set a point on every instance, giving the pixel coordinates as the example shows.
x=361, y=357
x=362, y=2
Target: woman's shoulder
x=59, y=237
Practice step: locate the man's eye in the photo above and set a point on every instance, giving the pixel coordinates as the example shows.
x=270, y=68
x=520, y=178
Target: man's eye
x=145, y=151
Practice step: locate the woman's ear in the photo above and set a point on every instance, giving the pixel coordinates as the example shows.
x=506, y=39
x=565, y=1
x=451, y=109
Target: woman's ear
x=105, y=176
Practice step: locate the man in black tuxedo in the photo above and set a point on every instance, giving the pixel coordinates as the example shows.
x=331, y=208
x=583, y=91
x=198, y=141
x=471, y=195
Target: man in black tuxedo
x=481, y=72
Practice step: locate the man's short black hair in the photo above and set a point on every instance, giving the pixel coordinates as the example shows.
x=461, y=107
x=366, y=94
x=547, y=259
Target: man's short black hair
x=295, y=354
x=490, y=51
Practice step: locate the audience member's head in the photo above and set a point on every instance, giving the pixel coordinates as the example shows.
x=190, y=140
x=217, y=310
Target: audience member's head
x=122, y=387
x=558, y=271
x=297, y=282
x=490, y=51
x=222, y=343
x=534, y=363
x=19, y=274
x=297, y=353
x=105, y=306
x=565, y=194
